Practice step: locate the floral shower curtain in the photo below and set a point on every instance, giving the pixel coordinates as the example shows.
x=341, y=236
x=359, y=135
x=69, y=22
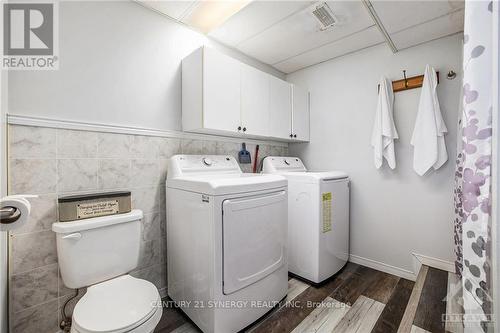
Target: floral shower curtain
x=473, y=170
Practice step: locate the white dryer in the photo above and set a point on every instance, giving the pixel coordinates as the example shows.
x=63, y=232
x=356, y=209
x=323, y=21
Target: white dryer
x=318, y=218
x=226, y=241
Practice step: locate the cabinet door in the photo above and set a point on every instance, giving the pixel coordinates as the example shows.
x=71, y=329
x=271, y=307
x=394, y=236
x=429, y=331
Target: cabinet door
x=254, y=101
x=300, y=114
x=280, y=108
x=221, y=92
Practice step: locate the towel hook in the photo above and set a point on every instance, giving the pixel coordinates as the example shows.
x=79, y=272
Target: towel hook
x=406, y=80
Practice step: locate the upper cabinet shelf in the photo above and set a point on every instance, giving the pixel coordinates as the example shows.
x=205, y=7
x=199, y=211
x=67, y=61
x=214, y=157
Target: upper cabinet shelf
x=221, y=95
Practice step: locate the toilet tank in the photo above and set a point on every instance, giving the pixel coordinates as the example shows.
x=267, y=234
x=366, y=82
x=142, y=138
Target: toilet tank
x=98, y=249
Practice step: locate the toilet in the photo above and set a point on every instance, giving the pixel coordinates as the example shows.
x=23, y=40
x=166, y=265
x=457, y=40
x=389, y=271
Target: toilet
x=98, y=253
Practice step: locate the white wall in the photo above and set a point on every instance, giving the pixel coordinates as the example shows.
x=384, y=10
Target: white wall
x=3, y=191
x=393, y=213
x=119, y=65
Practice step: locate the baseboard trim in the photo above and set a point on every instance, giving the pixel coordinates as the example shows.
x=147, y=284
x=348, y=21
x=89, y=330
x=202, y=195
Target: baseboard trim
x=435, y=262
x=108, y=128
x=383, y=267
x=419, y=260
x=163, y=292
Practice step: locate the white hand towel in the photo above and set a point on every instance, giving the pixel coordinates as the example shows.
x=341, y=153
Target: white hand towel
x=384, y=129
x=428, y=134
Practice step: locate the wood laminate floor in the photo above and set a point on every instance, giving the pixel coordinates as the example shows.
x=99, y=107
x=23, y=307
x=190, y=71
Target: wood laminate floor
x=357, y=300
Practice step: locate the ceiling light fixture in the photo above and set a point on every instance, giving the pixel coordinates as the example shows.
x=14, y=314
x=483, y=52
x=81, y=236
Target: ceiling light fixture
x=209, y=14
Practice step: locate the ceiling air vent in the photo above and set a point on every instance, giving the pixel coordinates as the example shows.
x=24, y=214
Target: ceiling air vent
x=325, y=16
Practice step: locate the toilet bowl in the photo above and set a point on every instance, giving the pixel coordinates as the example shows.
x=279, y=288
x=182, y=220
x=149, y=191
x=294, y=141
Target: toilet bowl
x=122, y=304
x=97, y=253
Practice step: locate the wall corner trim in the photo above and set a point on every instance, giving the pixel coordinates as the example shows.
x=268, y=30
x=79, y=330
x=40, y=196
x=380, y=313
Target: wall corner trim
x=441, y=264
x=111, y=128
x=404, y=273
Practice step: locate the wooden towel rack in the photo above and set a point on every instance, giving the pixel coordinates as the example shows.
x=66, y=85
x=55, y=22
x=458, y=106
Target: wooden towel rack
x=408, y=83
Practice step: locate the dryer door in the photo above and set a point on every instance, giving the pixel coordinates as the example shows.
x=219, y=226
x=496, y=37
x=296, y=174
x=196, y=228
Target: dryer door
x=254, y=233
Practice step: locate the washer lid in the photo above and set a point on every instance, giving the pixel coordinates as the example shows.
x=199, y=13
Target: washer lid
x=293, y=169
x=315, y=177
x=117, y=305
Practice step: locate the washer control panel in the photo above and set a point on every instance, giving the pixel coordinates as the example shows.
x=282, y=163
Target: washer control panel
x=273, y=164
x=180, y=165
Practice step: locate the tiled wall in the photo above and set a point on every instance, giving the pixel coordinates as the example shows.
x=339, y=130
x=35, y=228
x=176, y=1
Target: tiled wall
x=51, y=162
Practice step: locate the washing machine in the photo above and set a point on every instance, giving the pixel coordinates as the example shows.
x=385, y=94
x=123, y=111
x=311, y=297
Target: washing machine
x=318, y=218
x=226, y=241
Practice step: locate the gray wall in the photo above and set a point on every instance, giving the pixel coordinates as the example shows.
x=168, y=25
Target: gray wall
x=393, y=213
x=53, y=162
x=119, y=65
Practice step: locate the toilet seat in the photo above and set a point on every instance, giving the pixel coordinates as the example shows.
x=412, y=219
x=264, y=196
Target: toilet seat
x=118, y=305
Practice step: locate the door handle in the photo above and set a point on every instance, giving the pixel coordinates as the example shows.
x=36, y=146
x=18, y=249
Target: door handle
x=75, y=236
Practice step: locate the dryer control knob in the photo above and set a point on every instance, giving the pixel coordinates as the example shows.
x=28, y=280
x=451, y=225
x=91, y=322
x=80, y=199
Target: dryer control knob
x=207, y=161
x=286, y=161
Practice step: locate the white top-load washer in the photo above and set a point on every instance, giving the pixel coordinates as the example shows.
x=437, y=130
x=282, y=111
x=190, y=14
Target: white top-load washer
x=226, y=241
x=318, y=218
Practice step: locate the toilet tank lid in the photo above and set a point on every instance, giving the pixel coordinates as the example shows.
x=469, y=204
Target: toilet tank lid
x=96, y=222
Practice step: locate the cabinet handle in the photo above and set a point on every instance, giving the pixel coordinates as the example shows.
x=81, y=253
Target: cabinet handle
x=239, y=128
x=295, y=135
x=291, y=135
x=244, y=129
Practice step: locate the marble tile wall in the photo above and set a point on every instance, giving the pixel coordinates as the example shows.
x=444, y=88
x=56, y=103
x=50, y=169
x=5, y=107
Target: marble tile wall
x=52, y=162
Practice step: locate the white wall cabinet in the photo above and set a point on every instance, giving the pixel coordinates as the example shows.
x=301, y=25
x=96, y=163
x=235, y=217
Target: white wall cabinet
x=221, y=92
x=210, y=92
x=254, y=101
x=221, y=95
x=300, y=114
x=280, y=108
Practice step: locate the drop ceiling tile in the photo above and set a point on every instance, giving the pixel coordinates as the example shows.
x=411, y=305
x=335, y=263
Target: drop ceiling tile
x=360, y=40
x=174, y=9
x=399, y=15
x=440, y=27
x=300, y=32
x=254, y=18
